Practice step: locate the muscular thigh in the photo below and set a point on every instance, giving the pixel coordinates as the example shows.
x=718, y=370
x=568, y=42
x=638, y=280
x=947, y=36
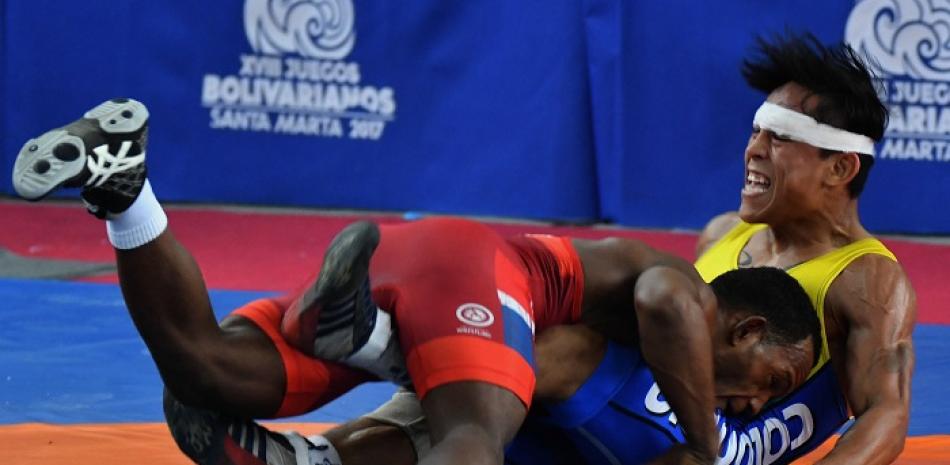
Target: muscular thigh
x=478, y=411
x=244, y=369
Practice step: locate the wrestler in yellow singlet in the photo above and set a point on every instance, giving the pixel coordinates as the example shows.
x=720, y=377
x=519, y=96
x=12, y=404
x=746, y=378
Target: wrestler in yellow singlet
x=815, y=275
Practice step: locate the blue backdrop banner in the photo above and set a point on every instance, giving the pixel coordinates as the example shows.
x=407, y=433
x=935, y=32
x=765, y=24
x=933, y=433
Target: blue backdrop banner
x=685, y=112
x=468, y=107
x=582, y=110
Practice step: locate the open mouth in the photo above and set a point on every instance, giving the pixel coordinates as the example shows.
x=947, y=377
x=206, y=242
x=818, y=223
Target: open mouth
x=756, y=183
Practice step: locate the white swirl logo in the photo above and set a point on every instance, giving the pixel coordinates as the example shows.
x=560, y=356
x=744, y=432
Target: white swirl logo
x=319, y=29
x=906, y=37
x=475, y=315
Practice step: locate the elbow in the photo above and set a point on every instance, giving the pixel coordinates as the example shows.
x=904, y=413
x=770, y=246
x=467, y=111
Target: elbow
x=661, y=295
x=889, y=443
x=893, y=448
x=660, y=318
x=653, y=300
x=898, y=449
x=902, y=421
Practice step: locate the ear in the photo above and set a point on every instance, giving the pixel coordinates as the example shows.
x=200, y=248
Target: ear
x=844, y=168
x=748, y=330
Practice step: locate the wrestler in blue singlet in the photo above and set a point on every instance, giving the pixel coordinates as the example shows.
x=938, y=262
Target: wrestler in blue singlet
x=618, y=416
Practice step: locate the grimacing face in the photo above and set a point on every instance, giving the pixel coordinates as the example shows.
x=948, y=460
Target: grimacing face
x=783, y=178
x=748, y=376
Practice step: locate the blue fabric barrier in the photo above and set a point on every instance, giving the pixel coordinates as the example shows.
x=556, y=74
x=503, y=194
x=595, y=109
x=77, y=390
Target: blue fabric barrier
x=686, y=112
x=469, y=107
x=6, y=156
x=584, y=110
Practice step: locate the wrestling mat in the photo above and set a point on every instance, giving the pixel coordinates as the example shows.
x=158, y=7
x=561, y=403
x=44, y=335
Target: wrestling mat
x=78, y=386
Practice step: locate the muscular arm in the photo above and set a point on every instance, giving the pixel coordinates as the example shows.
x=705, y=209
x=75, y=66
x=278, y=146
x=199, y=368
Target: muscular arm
x=612, y=268
x=676, y=317
x=671, y=324
x=873, y=308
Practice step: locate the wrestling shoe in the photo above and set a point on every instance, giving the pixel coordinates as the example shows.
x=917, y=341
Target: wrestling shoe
x=103, y=152
x=213, y=438
x=336, y=316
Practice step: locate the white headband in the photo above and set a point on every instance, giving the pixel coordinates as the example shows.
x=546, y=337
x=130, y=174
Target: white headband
x=804, y=128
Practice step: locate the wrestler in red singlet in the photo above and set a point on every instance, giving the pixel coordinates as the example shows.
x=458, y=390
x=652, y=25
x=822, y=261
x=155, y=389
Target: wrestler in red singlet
x=466, y=304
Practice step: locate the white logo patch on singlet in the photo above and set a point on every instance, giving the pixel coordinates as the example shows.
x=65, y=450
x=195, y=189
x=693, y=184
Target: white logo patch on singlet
x=475, y=315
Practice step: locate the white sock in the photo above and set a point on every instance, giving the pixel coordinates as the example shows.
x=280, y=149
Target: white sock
x=140, y=224
x=325, y=453
x=319, y=451
x=368, y=356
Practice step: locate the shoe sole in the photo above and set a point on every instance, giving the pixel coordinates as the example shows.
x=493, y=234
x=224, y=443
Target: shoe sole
x=345, y=268
x=52, y=159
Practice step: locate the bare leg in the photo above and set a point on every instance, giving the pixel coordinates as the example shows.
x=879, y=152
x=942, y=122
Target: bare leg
x=236, y=370
x=471, y=422
x=214, y=375
x=365, y=441
x=104, y=153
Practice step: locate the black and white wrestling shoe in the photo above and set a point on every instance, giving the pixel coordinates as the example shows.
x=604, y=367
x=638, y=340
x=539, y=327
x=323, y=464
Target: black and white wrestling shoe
x=103, y=152
x=214, y=438
x=336, y=319
x=337, y=315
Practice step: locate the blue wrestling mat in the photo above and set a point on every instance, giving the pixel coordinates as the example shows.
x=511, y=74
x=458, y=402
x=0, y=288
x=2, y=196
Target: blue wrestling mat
x=69, y=353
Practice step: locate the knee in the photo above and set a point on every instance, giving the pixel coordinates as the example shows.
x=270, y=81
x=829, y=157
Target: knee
x=240, y=380
x=194, y=383
x=473, y=441
x=196, y=431
x=210, y=373
x=365, y=441
x=474, y=416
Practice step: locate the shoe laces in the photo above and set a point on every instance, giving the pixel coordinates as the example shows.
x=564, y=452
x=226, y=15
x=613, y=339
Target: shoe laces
x=105, y=164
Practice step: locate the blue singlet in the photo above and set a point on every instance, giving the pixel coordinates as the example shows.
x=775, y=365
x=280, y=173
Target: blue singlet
x=619, y=416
